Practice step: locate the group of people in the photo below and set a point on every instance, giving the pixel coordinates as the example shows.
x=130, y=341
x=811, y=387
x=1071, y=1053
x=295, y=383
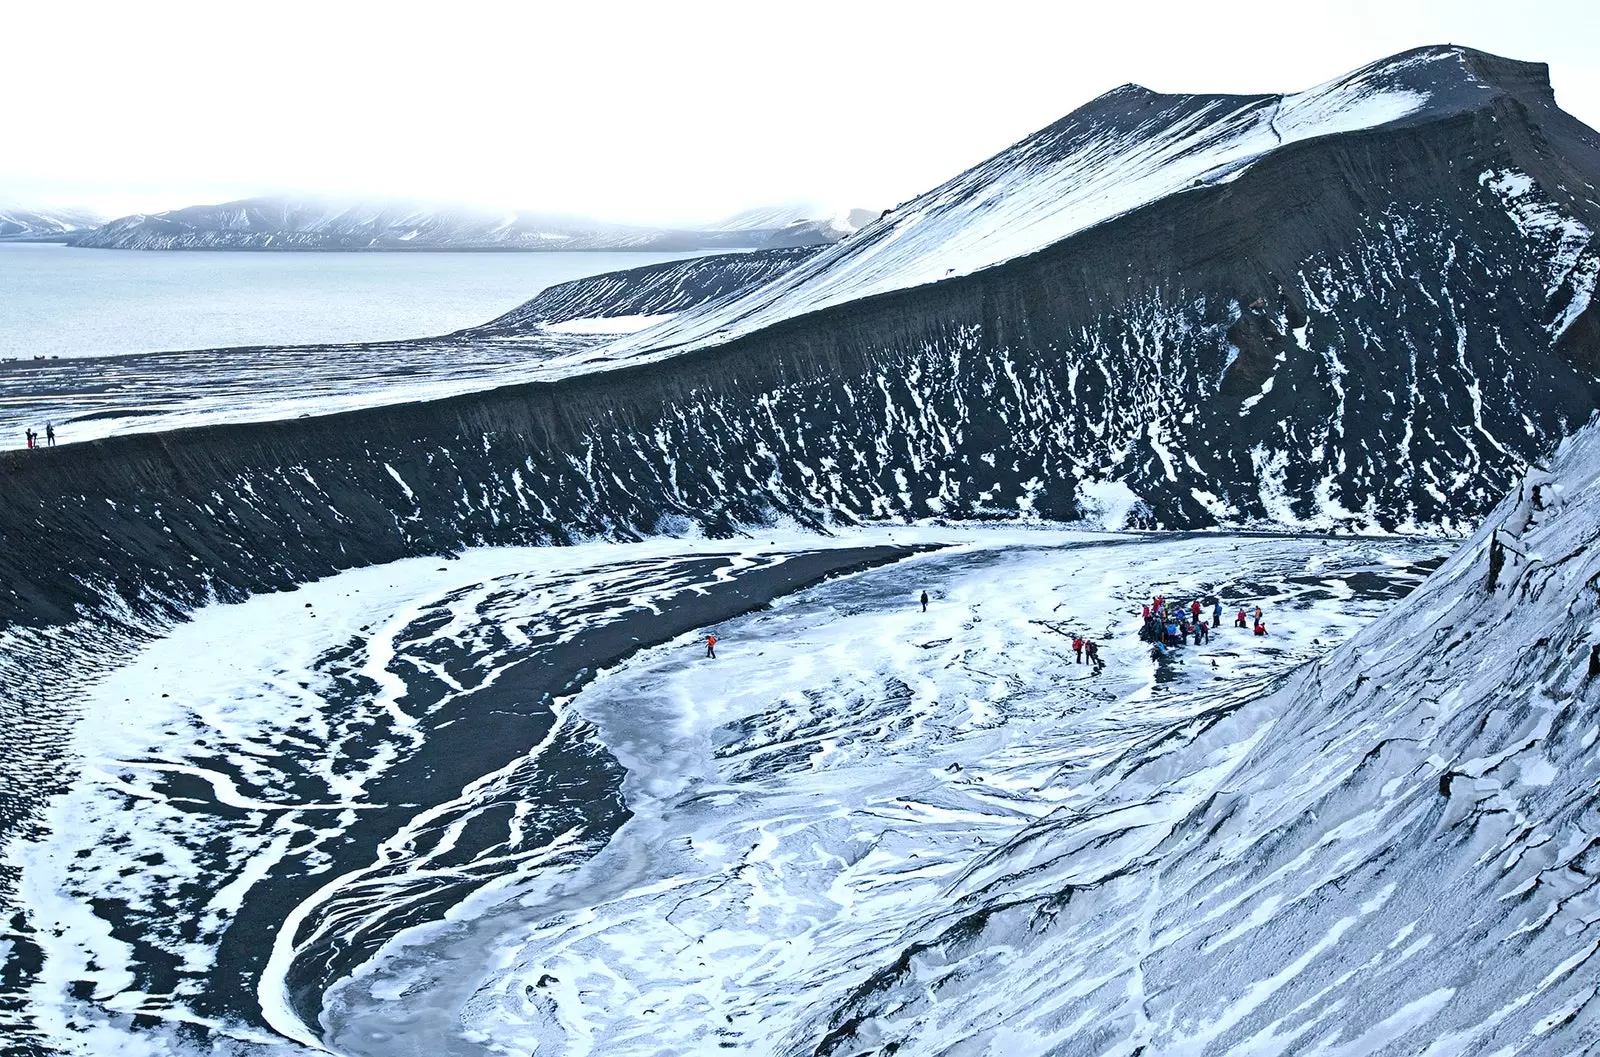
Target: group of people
x=1170, y=625
x=1165, y=626
x=49, y=436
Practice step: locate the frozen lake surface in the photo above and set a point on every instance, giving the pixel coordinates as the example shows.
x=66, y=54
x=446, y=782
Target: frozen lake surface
x=62, y=301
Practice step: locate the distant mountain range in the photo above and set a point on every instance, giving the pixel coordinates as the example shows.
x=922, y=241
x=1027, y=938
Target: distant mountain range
x=316, y=224
x=48, y=225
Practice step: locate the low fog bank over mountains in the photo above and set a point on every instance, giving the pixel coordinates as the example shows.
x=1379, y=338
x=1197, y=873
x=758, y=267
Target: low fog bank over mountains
x=1366, y=305
x=277, y=223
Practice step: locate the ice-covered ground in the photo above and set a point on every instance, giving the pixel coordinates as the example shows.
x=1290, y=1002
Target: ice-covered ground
x=796, y=810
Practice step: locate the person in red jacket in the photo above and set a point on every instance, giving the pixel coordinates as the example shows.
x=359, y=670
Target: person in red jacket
x=711, y=646
x=1240, y=621
x=1077, y=647
x=1194, y=610
x=1261, y=629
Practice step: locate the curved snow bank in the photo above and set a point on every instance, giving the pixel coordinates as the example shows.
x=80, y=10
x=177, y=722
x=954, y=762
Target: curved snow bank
x=1393, y=852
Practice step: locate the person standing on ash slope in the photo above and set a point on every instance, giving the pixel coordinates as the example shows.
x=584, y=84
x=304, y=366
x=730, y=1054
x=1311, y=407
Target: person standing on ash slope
x=924, y=601
x=711, y=646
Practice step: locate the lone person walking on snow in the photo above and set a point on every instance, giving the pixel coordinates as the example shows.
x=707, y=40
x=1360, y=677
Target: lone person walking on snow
x=711, y=646
x=924, y=601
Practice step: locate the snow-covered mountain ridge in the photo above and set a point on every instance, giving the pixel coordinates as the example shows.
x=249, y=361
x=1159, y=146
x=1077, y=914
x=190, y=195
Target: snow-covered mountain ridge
x=1126, y=149
x=45, y=225
x=317, y=224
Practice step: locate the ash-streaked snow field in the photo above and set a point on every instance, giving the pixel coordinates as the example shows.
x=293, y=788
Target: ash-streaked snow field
x=398, y=812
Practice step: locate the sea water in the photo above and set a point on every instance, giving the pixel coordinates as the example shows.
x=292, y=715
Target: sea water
x=64, y=301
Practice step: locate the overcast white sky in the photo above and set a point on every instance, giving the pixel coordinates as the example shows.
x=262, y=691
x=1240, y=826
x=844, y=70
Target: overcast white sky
x=652, y=112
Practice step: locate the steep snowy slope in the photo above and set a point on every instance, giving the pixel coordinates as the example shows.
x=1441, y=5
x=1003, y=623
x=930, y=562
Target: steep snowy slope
x=312, y=224
x=1392, y=852
x=44, y=225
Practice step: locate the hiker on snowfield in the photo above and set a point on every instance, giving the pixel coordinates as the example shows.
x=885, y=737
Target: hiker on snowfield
x=1261, y=629
x=924, y=601
x=1194, y=610
x=711, y=646
x=1093, y=653
x=1216, y=614
x=1204, y=633
x=1239, y=621
x=1258, y=614
x=1147, y=614
x=1077, y=648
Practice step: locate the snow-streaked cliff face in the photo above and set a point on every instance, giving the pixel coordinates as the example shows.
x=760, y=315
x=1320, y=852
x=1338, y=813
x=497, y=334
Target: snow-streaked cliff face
x=1371, y=312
